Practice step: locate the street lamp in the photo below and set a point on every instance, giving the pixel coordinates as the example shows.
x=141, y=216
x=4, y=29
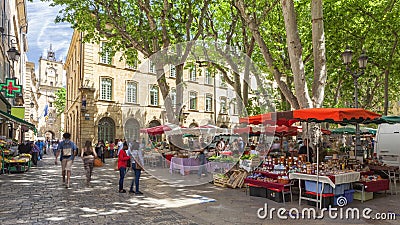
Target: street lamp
x=14, y=55
x=347, y=56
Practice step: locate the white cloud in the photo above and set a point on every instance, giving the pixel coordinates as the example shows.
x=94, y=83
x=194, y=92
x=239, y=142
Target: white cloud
x=43, y=31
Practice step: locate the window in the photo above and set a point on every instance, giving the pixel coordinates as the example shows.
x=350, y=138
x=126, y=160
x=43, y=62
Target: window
x=173, y=97
x=208, y=77
x=106, y=89
x=192, y=73
x=50, y=104
x=192, y=100
x=105, y=56
x=222, y=105
x=234, y=107
x=172, y=71
x=154, y=95
x=51, y=83
x=209, y=100
x=131, y=92
x=222, y=80
x=152, y=68
x=106, y=129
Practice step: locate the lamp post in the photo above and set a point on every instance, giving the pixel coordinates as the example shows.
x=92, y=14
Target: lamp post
x=347, y=56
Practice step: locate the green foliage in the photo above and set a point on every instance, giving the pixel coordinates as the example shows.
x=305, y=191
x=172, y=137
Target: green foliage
x=59, y=102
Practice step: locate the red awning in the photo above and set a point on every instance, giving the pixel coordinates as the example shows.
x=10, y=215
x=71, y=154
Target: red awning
x=346, y=115
x=243, y=130
x=156, y=130
x=281, y=131
x=273, y=118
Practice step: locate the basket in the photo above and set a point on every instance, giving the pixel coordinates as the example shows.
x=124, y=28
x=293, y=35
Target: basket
x=97, y=162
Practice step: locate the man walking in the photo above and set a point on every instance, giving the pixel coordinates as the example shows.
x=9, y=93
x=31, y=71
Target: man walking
x=67, y=151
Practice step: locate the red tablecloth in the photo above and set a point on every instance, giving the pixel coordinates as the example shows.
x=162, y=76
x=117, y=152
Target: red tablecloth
x=375, y=186
x=264, y=184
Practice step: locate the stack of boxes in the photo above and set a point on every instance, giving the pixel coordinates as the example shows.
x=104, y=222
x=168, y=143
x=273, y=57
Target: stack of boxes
x=330, y=195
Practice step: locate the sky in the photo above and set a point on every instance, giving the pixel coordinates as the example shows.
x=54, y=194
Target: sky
x=43, y=31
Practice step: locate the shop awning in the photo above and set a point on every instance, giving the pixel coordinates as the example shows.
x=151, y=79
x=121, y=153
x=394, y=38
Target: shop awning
x=17, y=120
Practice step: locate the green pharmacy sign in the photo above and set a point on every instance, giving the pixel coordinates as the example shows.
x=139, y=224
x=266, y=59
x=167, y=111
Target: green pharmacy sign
x=10, y=87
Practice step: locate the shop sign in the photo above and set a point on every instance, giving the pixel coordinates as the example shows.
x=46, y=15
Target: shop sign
x=10, y=88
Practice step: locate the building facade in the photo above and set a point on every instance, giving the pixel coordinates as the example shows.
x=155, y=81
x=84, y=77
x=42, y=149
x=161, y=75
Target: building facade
x=13, y=48
x=108, y=99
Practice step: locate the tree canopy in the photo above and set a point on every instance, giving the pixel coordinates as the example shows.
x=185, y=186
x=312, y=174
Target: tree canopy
x=298, y=44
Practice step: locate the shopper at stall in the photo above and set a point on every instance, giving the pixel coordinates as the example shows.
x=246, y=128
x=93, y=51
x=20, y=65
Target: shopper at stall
x=203, y=162
x=122, y=161
x=303, y=151
x=137, y=160
x=67, y=151
x=88, y=155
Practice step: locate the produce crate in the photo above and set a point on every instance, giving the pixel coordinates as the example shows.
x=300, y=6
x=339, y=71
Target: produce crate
x=327, y=199
x=220, y=181
x=257, y=191
x=276, y=195
x=363, y=196
x=311, y=186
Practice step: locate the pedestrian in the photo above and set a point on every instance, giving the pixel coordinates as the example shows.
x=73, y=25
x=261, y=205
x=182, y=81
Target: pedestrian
x=88, y=155
x=111, y=149
x=137, y=160
x=122, y=163
x=35, y=153
x=55, y=147
x=203, y=162
x=66, y=150
x=100, y=150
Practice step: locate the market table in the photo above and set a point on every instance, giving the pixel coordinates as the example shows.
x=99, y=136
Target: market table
x=19, y=165
x=332, y=180
x=372, y=186
x=183, y=164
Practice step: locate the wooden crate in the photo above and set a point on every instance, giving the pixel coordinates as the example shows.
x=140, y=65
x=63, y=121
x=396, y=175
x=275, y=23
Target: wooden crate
x=220, y=182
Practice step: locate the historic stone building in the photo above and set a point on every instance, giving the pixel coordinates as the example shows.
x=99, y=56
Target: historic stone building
x=45, y=85
x=108, y=99
x=13, y=48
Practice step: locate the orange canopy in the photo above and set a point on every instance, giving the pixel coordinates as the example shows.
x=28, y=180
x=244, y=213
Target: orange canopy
x=335, y=115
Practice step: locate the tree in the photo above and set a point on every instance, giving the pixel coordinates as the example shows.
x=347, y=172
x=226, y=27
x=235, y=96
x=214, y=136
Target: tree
x=140, y=25
x=373, y=26
x=59, y=102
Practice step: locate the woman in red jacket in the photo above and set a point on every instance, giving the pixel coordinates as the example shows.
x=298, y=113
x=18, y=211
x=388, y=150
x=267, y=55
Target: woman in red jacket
x=122, y=162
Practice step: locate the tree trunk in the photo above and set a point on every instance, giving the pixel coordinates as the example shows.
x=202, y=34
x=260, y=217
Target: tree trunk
x=318, y=42
x=179, y=90
x=295, y=53
x=269, y=60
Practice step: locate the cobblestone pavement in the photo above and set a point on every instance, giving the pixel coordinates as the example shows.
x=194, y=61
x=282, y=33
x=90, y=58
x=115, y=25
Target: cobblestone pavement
x=39, y=197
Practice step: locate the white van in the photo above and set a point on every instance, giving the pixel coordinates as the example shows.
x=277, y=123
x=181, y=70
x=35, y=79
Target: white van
x=387, y=144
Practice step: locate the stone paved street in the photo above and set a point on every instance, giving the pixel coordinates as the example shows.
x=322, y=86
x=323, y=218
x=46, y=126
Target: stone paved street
x=39, y=197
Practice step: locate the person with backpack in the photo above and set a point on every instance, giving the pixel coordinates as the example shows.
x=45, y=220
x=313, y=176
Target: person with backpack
x=67, y=151
x=88, y=155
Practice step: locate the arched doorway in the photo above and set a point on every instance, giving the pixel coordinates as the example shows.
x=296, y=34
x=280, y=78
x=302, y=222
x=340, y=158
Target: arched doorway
x=106, y=129
x=49, y=135
x=224, y=126
x=131, y=130
x=193, y=124
x=155, y=138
